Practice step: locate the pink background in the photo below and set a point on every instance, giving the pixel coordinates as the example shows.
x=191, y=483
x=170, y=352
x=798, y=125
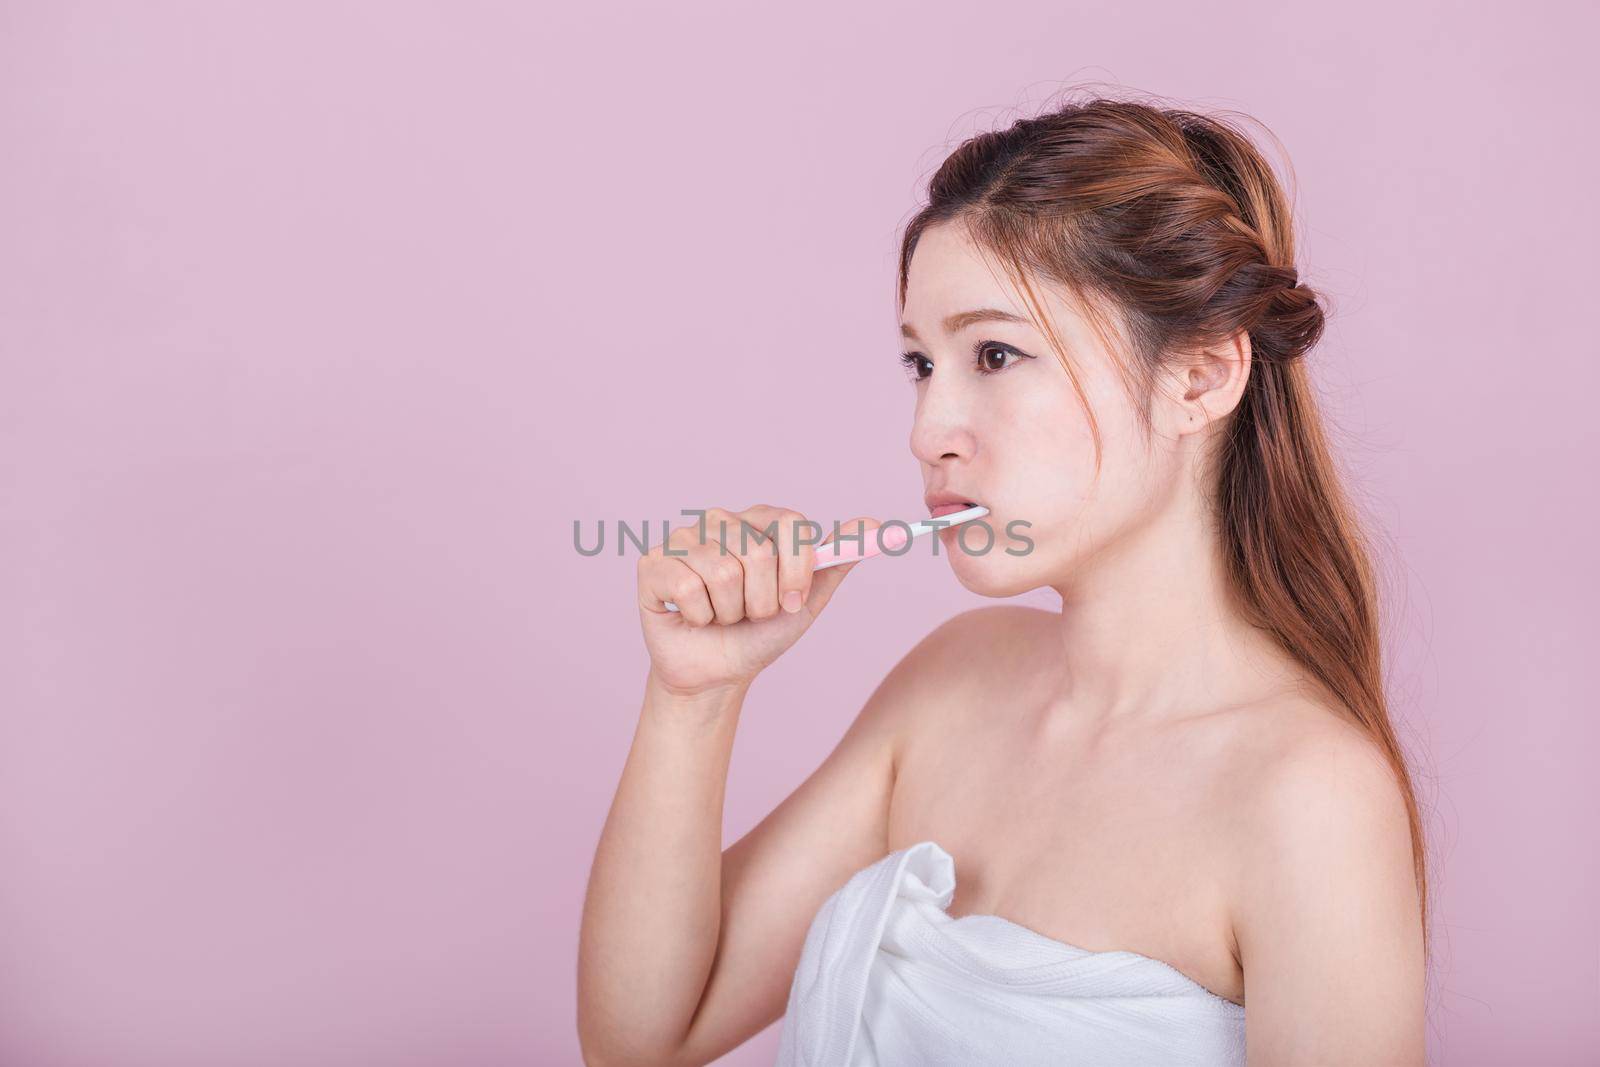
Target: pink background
x=320, y=324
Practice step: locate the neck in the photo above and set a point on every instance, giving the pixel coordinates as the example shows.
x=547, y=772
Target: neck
x=1148, y=630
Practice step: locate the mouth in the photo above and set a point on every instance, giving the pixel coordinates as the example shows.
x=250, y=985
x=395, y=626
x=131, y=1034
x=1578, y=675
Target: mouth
x=951, y=508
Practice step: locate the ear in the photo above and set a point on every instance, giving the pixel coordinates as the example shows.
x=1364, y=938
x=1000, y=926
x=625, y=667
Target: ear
x=1207, y=384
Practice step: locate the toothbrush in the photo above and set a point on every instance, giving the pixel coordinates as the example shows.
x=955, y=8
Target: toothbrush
x=828, y=555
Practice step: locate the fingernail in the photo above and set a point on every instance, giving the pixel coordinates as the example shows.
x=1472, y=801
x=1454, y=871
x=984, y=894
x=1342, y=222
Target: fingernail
x=792, y=601
x=894, y=537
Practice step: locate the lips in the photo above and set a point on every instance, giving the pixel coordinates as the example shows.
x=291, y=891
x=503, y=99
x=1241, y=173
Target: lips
x=944, y=501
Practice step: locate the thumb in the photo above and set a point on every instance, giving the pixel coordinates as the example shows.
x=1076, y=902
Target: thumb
x=824, y=582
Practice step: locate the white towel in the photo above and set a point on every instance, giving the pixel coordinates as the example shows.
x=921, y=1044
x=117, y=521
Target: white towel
x=888, y=978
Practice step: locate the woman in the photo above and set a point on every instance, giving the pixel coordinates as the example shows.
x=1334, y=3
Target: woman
x=1175, y=797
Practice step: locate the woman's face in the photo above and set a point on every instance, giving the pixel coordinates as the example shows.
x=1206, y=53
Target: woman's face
x=999, y=423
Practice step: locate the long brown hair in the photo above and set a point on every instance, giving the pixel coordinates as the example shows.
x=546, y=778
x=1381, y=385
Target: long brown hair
x=1174, y=233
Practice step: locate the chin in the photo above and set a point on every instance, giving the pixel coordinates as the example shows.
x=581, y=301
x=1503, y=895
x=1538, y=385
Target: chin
x=994, y=573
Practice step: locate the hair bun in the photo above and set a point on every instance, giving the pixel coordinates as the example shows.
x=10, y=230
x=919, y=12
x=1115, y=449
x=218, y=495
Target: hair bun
x=1292, y=323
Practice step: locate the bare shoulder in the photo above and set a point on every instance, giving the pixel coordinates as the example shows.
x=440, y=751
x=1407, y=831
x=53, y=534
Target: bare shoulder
x=980, y=635
x=1004, y=635
x=1308, y=763
x=1324, y=905
x=1001, y=619
x=1302, y=777
x=936, y=673
x=980, y=645
x=949, y=678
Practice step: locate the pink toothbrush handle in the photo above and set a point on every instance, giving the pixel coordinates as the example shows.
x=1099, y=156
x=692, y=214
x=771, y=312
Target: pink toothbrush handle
x=841, y=551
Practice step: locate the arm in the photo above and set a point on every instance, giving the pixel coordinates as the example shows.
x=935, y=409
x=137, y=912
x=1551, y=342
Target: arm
x=684, y=973
x=1329, y=932
x=649, y=918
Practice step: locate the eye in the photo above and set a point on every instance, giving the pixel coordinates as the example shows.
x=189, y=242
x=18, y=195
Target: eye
x=913, y=362
x=984, y=355
x=983, y=352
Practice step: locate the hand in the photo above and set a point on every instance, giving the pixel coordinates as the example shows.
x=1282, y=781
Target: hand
x=731, y=622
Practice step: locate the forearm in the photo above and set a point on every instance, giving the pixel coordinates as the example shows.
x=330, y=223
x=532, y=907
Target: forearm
x=653, y=910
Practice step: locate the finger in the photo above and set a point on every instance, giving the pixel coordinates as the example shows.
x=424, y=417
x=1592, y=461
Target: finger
x=854, y=536
x=662, y=579
x=760, y=559
x=824, y=584
x=797, y=540
x=719, y=568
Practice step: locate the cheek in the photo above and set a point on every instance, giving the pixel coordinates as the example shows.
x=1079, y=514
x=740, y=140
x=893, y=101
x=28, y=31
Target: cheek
x=1047, y=464
x=1049, y=446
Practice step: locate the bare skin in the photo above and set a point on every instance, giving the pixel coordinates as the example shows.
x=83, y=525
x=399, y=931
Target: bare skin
x=1133, y=833
x=1141, y=770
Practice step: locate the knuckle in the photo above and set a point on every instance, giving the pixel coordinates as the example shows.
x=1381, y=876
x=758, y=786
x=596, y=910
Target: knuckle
x=757, y=544
x=724, y=570
x=745, y=539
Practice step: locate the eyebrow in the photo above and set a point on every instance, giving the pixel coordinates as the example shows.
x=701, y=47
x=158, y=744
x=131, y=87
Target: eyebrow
x=962, y=319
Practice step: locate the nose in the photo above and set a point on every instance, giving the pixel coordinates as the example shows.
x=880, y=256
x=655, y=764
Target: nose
x=942, y=430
